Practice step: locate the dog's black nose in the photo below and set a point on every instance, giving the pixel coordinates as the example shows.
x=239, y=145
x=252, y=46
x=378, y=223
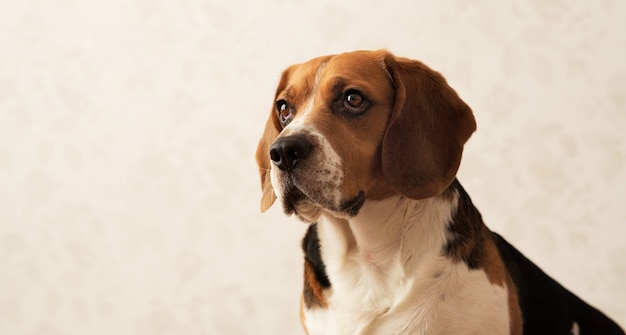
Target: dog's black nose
x=287, y=151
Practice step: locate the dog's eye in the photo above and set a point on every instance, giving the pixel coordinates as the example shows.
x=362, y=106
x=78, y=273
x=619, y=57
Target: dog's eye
x=285, y=113
x=354, y=101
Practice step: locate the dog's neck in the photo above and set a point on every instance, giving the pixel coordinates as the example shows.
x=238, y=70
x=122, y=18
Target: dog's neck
x=381, y=228
x=390, y=232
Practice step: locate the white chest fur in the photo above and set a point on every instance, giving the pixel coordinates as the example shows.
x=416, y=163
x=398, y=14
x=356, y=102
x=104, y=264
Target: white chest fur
x=389, y=275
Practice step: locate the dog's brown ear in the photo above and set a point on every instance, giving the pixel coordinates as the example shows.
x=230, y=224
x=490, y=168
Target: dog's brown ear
x=272, y=129
x=263, y=161
x=426, y=132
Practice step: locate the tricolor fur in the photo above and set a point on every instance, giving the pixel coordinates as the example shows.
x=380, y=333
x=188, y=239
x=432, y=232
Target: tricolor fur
x=365, y=147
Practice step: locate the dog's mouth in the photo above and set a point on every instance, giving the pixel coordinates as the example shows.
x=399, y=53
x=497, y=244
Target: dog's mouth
x=293, y=196
x=308, y=208
x=296, y=202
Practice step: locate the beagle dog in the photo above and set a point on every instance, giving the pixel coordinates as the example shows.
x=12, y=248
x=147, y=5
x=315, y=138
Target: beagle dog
x=365, y=146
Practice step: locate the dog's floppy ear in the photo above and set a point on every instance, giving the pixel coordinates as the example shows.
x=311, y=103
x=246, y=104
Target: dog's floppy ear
x=429, y=124
x=272, y=129
x=263, y=161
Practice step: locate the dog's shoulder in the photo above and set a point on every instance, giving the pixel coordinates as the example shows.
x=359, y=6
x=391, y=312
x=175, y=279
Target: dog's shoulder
x=540, y=296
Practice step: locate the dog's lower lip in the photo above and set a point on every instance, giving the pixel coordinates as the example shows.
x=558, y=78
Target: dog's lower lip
x=293, y=195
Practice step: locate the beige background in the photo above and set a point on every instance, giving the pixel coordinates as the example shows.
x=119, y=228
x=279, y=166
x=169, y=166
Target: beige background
x=128, y=189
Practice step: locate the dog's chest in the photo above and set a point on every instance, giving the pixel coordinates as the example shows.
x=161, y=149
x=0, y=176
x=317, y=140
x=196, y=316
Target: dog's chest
x=454, y=300
x=411, y=289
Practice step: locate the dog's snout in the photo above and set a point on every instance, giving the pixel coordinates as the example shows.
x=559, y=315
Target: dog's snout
x=286, y=152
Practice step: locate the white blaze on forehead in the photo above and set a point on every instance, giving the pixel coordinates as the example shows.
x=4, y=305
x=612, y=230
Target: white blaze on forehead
x=300, y=122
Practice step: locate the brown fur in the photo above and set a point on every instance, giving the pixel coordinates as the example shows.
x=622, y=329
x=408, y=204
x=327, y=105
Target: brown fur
x=429, y=126
x=313, y=291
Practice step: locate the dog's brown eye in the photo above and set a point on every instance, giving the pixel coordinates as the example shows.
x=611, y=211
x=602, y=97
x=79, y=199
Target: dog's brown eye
x=284, y=111
x=354, y=101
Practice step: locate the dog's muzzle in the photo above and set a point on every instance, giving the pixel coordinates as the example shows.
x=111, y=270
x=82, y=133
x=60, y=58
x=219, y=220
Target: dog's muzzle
x=309, y=177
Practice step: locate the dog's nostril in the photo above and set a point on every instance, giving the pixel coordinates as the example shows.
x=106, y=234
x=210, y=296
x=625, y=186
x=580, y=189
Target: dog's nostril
x=275, y=155
x=287, y=151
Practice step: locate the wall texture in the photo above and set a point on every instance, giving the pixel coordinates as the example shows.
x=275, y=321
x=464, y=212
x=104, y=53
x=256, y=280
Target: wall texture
x=129, y=195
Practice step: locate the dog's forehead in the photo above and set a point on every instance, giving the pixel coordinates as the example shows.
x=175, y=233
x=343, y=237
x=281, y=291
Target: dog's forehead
x=309, y=68
x=363, y=69
x=360, y=64
x=364, y=66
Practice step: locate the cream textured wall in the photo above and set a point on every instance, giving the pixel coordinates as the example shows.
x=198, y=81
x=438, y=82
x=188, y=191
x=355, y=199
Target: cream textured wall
x=128, y=190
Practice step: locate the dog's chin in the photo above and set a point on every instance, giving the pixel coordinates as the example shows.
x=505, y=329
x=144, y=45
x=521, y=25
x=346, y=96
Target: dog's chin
x=296, y=202
x=309, y=210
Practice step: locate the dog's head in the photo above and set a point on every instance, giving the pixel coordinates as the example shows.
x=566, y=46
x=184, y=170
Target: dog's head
x=358, y=126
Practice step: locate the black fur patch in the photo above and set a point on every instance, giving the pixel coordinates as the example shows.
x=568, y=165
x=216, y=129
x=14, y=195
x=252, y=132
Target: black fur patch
x=546, y=306
x=466, y=230
x=313, y=257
